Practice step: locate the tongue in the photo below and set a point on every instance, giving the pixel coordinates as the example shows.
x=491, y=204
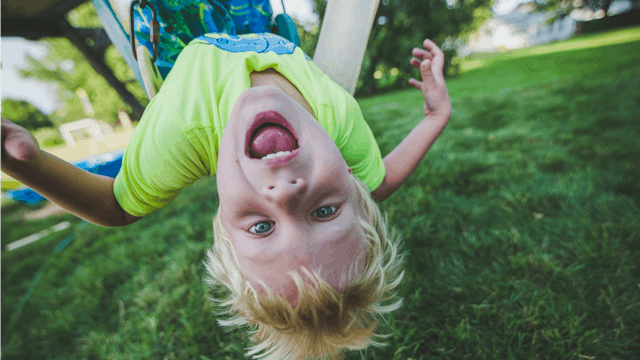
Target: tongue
x=271, y=139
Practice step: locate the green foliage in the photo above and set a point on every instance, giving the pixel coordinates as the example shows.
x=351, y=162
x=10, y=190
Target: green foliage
x=68, y=68
x=48, y=137
x=308, y=38
x=84, y=16
x=401, y=25
x=24, y=114
x=522, y=225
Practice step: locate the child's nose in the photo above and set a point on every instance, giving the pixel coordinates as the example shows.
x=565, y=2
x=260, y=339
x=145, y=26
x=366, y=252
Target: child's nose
x=287, y=193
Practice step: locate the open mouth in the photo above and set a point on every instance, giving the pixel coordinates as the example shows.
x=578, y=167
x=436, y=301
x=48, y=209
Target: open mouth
x=271, y=138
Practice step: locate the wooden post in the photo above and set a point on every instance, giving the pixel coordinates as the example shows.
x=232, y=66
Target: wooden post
x=343, y=40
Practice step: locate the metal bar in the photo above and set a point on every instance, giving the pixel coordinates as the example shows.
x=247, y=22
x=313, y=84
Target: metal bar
x=118, y=36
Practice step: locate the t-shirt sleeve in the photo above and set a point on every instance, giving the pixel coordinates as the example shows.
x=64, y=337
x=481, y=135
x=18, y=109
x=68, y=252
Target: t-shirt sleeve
x=159, y=161
x=356, y=142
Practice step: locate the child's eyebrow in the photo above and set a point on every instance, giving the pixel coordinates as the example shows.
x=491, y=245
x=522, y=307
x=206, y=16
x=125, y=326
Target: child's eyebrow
x=313, y=199
x=322, y=195
x=251, y=213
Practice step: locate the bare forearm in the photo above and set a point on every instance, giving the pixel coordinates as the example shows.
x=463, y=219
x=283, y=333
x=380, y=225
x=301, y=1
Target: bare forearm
x=86, y=195
x=403, y=160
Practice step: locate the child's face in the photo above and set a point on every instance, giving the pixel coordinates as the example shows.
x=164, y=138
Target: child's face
x=301, y=213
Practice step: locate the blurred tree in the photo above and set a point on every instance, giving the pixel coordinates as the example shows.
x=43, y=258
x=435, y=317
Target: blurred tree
x=67, y=67
x=309, y=32
x=24, y=114
x=308, y=38
x=401, y=25
x=559, y=9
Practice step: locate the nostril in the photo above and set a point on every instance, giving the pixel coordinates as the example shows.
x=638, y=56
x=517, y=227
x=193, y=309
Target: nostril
x=271, y=187
x=293, y=182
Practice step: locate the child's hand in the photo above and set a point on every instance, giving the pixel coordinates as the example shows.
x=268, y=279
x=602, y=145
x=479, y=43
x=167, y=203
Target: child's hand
x=17, y=144
x=430, y=62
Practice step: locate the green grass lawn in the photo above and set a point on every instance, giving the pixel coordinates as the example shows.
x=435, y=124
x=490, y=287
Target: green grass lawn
x=522, y=226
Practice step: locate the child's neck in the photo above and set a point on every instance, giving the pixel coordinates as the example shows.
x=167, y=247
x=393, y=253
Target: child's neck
x=270, y=77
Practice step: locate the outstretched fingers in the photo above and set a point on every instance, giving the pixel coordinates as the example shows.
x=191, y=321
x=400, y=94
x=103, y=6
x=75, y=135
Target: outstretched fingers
x=421, y=53
x=430, y=62
x=436, y=53
x=416, y=84
x=419, y=56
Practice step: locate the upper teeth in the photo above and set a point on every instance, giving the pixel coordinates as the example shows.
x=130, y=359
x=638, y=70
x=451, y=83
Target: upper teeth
x=279, y=153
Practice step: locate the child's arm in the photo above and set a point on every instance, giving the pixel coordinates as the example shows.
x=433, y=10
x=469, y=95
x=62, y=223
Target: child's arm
x=86, y=195
x=401, y=162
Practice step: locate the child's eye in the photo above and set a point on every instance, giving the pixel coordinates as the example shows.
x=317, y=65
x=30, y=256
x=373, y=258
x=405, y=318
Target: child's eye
x=324, y=212
x=261, y=228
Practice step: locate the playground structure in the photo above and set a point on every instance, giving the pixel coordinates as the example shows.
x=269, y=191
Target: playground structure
x=96, y=129
x=339, y=53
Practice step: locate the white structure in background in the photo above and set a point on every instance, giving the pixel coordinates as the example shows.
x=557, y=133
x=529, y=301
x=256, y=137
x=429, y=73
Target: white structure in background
x=37, y=236
x=523, y=28
x=86, y=104
x=125, y=120
x=96, y=129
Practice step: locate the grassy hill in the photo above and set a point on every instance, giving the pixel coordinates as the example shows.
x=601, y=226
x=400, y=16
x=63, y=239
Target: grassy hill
x=522, y=226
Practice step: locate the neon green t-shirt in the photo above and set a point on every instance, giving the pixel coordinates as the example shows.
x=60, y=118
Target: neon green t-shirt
x=176, y=142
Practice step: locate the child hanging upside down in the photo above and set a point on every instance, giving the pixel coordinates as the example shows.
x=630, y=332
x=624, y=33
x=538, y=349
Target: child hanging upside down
x=299, y=241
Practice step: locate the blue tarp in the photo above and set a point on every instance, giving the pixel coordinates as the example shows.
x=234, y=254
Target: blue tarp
x=107, y=164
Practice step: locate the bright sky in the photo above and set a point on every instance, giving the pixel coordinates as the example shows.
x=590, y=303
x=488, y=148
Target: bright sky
x=44, y=97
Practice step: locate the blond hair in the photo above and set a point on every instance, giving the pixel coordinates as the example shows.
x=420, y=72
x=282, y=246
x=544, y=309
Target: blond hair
x=324, y=322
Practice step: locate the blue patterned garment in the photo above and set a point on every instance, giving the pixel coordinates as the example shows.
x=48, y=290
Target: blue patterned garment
x=261, y=43
x=184, y=20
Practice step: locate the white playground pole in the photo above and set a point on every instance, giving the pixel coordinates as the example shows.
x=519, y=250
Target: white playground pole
x=343, y=40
